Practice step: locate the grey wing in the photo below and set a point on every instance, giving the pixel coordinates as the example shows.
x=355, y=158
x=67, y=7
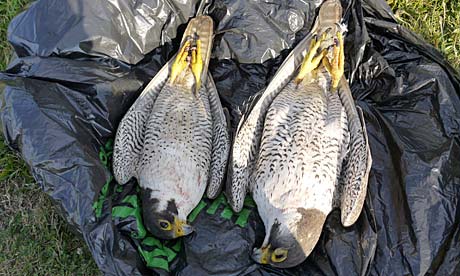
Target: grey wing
x=242, y=159
x=220, y=141
x=357, y=163
x=129, y=139
x=249, y=132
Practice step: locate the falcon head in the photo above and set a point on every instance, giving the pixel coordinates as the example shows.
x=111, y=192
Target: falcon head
x=288, y=243
x=162, y=218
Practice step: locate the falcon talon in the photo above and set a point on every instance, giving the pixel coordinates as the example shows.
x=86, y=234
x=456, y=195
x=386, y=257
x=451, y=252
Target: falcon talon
x=311, y=61
x=336, y=67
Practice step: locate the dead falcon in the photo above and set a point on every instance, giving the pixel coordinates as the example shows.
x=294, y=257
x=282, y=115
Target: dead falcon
x=303, y=150
x=174, y=139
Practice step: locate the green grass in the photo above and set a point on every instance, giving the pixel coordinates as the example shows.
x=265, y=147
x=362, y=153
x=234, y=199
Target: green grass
x=35, y=240
x=438, y=21
x=8, y=9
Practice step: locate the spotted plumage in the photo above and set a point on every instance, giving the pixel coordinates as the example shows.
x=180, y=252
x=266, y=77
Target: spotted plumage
x=174, y=138
x=302, y=150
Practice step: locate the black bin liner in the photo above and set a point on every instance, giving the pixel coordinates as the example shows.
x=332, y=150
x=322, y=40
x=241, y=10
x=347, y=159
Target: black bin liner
x=81, y=63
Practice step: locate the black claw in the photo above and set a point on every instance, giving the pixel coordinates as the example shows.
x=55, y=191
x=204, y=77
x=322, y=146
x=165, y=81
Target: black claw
x=336, y=42
x=315, y=37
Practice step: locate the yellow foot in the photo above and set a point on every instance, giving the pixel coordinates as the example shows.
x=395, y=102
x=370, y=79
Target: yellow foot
x=311, y=60
x=181, y=63
x=335, y=66
x=197, y=64
x=188, y=58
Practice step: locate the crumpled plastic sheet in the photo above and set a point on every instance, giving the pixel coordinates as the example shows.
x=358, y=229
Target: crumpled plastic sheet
x=81, y=64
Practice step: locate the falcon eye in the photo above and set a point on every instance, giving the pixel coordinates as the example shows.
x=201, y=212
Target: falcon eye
x=164, y=224
x=279, y=255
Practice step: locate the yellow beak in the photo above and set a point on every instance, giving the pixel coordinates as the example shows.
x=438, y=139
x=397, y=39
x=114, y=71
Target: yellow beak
x=262, y=255
x=181, y=228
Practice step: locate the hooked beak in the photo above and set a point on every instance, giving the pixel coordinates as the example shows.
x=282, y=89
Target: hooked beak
x=181, y=228
x=261, y=255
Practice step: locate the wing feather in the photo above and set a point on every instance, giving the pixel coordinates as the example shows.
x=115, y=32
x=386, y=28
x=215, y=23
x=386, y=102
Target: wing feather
x=129, y=139
x=220, y=141
x=357, y=163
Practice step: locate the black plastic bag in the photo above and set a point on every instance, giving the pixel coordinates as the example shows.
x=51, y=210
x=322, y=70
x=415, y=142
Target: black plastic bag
x=82, y=63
